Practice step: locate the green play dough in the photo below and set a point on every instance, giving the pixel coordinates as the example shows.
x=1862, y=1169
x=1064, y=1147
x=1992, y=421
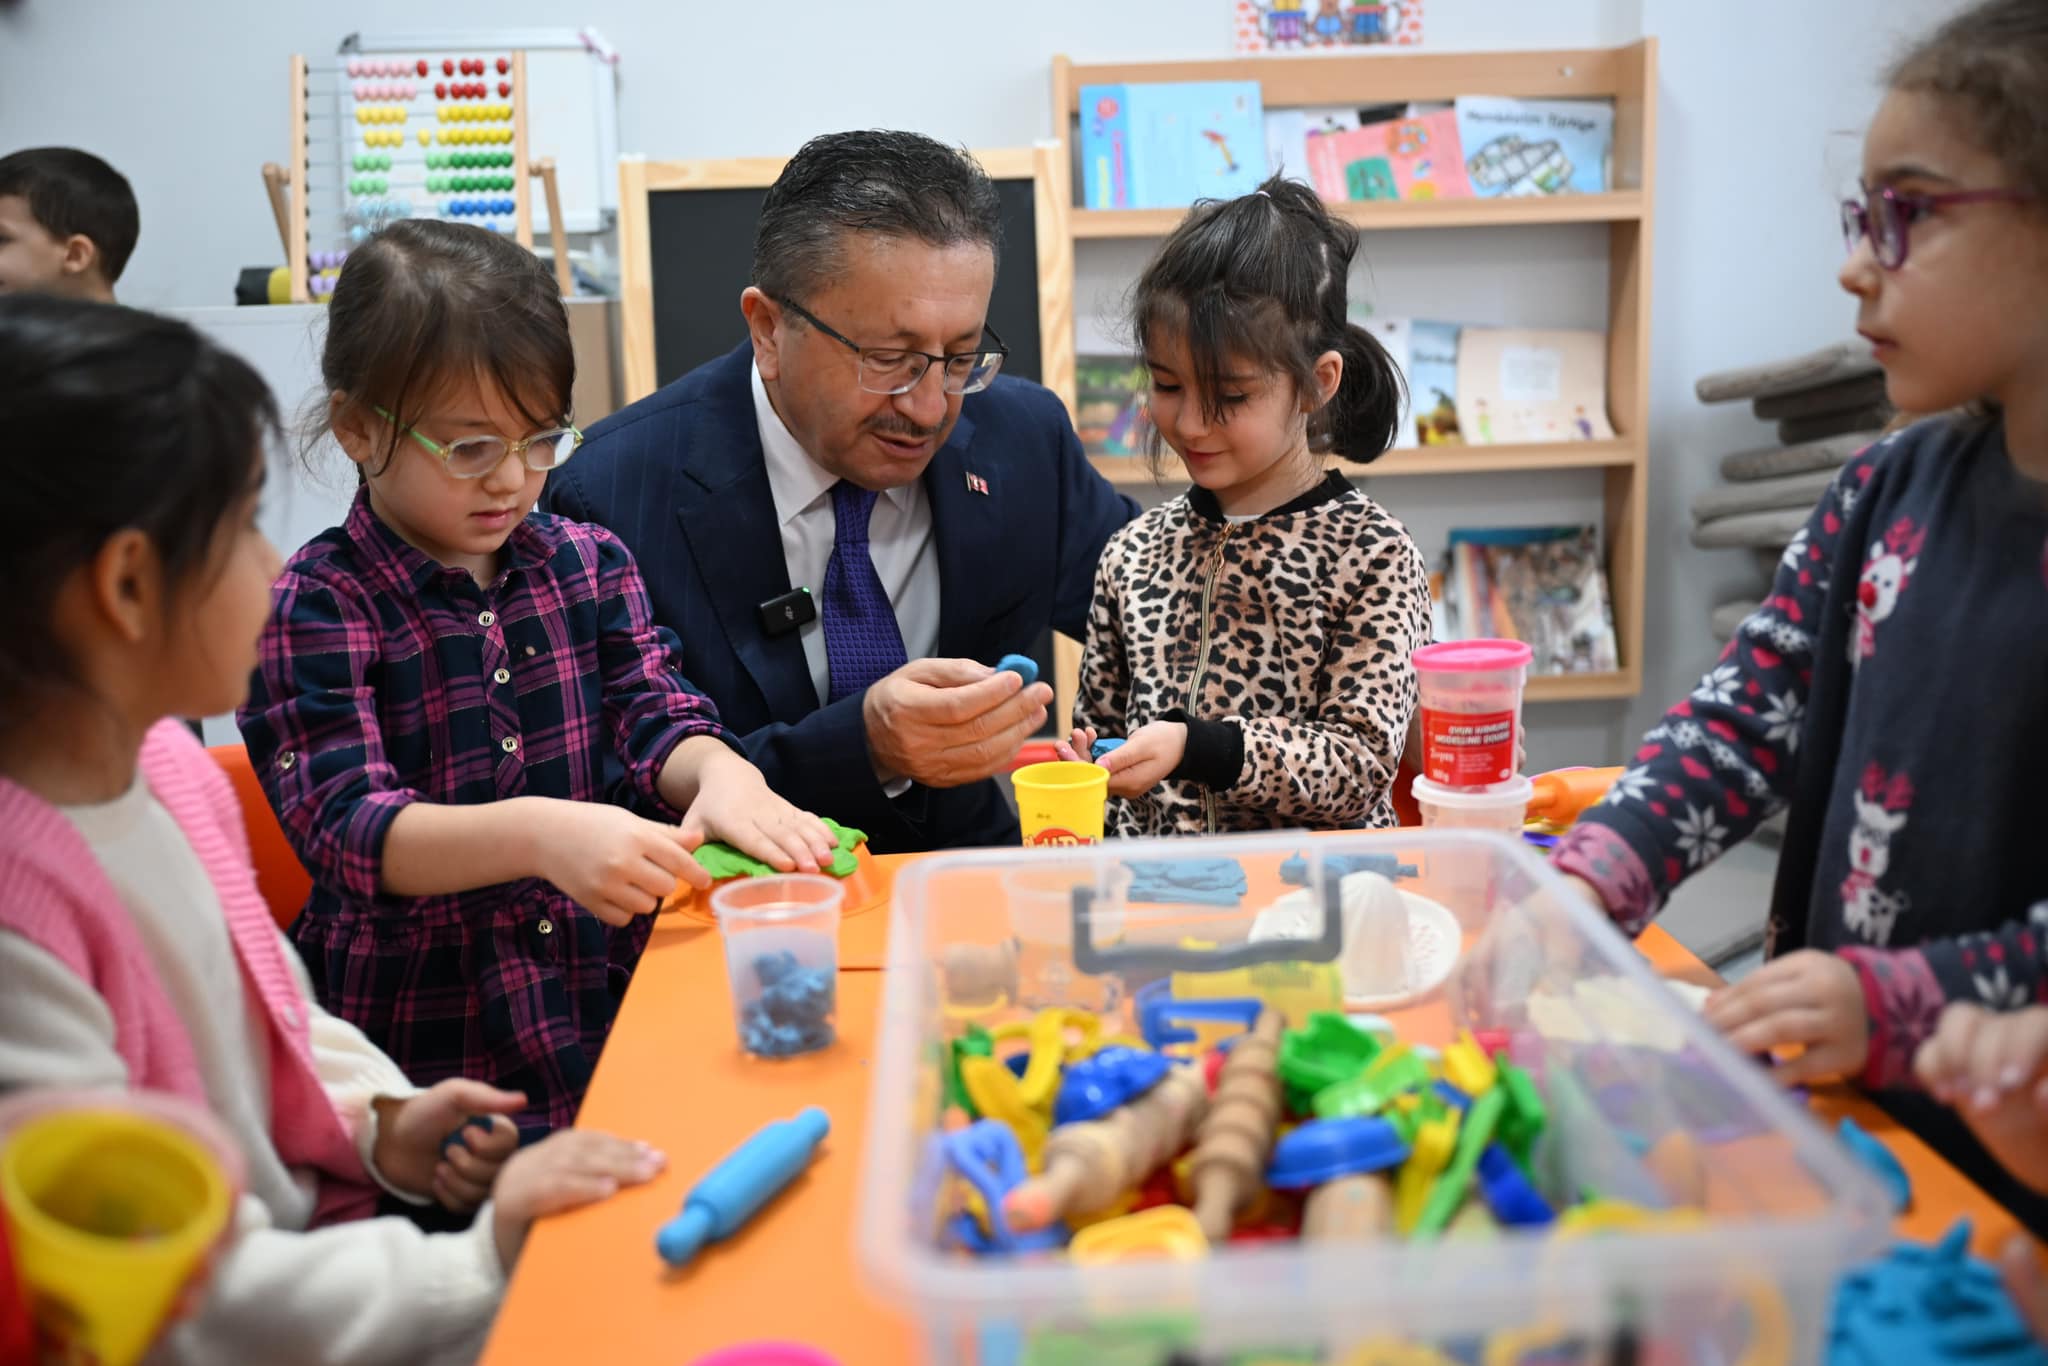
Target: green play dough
x=722, y=861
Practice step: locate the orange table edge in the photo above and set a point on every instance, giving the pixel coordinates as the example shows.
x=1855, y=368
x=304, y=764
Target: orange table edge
x=589, y=1286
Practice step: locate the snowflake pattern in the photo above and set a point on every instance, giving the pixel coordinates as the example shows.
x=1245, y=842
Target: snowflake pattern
x=1998, y=991
x=1720, y=686
x=1782, y=718
x=1795, y=553
x=1631, y=786
x=1700, y=836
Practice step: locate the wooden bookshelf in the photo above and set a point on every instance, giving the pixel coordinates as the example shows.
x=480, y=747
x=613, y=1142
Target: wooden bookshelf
x=1626, y=75
x=1620, y=206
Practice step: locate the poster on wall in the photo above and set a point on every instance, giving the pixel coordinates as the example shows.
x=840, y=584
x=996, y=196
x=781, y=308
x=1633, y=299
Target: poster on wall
x=1269, y=26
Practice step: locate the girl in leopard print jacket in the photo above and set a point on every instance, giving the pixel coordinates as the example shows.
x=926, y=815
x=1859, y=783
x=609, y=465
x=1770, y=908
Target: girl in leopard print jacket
x=1250, y=639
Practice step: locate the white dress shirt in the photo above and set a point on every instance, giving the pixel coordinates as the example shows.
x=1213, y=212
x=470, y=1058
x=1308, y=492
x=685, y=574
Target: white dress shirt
x=899, y=541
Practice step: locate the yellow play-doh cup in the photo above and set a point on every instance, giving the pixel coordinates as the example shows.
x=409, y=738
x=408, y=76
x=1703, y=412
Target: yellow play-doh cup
x=110, y=1212
x=1061, y=803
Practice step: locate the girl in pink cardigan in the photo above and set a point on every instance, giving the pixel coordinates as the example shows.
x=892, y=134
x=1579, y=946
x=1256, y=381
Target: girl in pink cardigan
x=135, y=946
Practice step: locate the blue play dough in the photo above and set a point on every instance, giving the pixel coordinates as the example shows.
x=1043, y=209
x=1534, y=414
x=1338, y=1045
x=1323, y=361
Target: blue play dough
x=1881, y=1160
x=1325, y=1149
x=1201, y=881
x=1096, y=1085
x=1929, y=1304
x=1024, y=666
x=1102, y=747
x=793, y=1014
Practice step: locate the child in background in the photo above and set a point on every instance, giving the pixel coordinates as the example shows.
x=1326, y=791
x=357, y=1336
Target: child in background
x=134, y=944
x=1889, y=690
x=445, y=678
x=1250, y=639
x=67, y=223
x=1994, y=1069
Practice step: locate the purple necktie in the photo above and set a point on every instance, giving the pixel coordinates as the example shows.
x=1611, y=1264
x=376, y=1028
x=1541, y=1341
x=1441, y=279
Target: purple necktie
x=862, y=641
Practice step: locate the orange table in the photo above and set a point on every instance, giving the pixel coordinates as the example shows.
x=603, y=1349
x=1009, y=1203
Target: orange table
x=590, y=1288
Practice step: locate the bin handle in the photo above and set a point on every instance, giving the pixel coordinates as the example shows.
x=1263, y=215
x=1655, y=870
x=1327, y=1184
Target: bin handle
x=1098, y=960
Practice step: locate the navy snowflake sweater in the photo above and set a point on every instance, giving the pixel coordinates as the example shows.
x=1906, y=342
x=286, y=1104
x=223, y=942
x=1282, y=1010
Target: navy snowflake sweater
x=1893, y=693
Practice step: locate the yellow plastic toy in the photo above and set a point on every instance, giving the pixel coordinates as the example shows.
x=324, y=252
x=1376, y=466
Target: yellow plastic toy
x=1296, y=990
x=110, y=1210
x=1467, y=1067
x=1428, y=1155
x=996, y=1095
x=1165, y=1232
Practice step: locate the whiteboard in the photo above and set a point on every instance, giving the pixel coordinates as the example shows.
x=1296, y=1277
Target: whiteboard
x=572, y=101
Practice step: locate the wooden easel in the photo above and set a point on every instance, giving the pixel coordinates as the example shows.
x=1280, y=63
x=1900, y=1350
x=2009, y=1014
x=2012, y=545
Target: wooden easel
x=291, y=213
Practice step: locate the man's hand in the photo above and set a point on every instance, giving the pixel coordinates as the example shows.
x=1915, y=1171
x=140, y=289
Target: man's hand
x=950, y=722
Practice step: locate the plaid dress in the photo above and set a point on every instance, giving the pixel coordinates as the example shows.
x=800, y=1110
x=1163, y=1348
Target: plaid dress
x=387, y=678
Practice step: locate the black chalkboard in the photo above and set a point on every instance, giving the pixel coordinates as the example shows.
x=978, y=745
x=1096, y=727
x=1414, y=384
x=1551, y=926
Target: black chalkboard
x=701, y=245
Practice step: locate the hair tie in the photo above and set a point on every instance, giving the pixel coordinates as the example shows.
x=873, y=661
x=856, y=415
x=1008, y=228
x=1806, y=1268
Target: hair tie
x=1262, y=194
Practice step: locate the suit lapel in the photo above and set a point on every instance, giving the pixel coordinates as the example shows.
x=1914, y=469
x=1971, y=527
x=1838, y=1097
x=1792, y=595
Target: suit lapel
x=966, y=530
x=728, y=514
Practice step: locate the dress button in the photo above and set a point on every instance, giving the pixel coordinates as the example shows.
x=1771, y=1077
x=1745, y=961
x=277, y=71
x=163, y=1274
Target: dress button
x=486, y=618
x=546, y=927
x=502, y=676
x=286, y=760
x=510, y=744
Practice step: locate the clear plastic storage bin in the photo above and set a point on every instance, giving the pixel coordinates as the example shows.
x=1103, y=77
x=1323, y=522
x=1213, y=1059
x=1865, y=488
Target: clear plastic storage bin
x=1622, y=1063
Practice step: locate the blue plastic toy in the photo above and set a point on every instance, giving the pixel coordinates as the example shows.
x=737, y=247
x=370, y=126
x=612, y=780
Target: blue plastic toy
x=1929, y=1304
x=750, y=1175
x=1096, y=1085
x=988, y=1157
x=460, y=1134
x=1159, y=1009
x=1451, y=1095
x=1102, y=747
x=1024, y=666
x=1325, y=1149
x=1294, y=871
x=1873, y=1154
x=1203, y=881
x=1507, y=1192
x=793, y=1013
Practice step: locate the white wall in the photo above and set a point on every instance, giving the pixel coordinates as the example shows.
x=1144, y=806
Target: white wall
x=188, y=98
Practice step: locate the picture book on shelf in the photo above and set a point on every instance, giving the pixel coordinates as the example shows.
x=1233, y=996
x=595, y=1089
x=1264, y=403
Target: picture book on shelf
x=1109, y=404
x=1413, y=157
x=1166, y=145
x=1543, y=586
x=1433, y=383
x=1288, y=132
x=1395, y=337
x=1528, y=147
x=1518, y=386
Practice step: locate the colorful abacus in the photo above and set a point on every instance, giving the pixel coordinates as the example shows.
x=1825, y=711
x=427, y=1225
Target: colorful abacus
x=417, y=136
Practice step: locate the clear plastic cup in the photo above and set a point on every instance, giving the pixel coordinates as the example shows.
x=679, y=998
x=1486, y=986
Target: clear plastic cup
x=1504, y=807
x=781, y=938
x=1471, y=710
x=1040, y=899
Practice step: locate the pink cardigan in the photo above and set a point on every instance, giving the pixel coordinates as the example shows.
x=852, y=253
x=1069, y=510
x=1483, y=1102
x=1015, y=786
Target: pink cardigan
x=53, y=893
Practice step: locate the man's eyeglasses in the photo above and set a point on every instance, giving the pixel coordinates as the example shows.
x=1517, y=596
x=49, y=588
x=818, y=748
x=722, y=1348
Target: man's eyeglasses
x=893, y=370
x=1887, y=216
x=473, y=457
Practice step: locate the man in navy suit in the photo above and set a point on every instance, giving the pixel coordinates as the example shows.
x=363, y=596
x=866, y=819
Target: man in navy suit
x=851, y=517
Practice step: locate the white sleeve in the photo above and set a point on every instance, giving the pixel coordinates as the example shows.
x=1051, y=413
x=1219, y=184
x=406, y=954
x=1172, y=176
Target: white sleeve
x=54, y=1028
x=374, y=1291
x=353, y=1071
x=359, y=1294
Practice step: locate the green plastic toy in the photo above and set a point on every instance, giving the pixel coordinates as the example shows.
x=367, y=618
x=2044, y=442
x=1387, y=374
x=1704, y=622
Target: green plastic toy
x=1395, y=1071
x=977, y=1042
x=1473, y=1135
x=722, y=861
x=1328, y=1050
x=1522, y=1121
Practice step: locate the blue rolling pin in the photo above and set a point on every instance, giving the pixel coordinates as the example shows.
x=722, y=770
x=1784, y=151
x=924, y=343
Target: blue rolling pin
x=748, y=1178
